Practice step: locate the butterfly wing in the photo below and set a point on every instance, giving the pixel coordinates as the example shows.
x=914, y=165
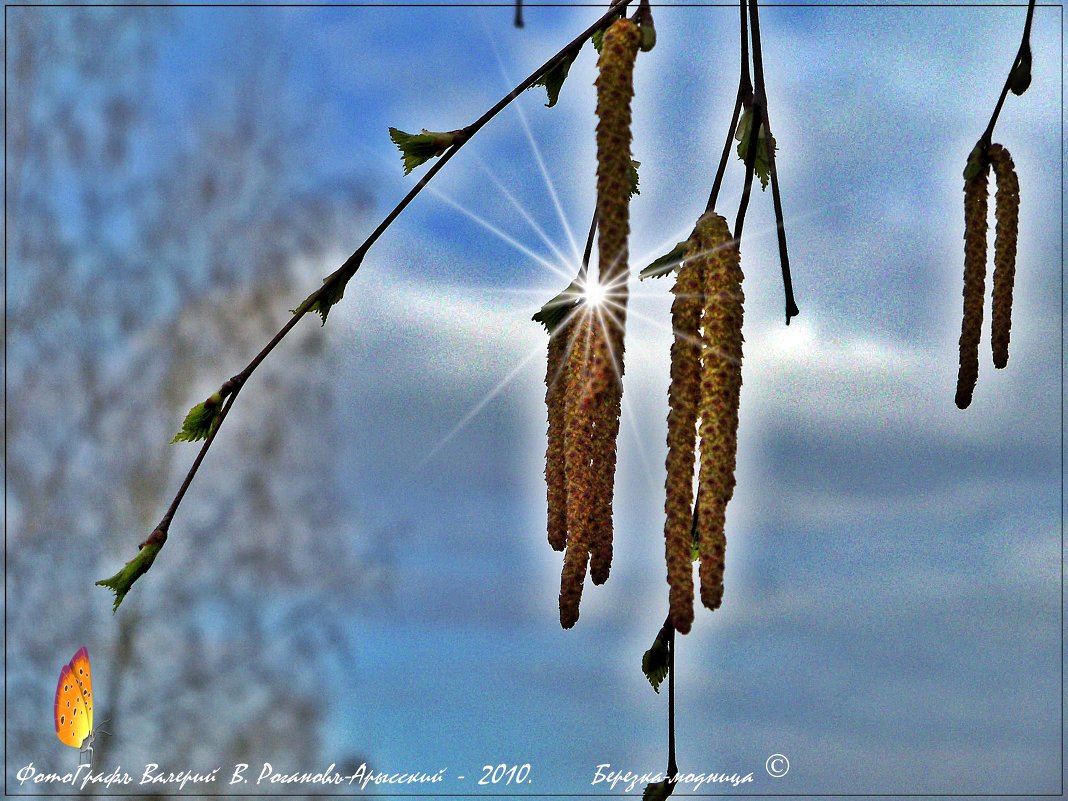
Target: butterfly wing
x=72, y=719
x=79, y=667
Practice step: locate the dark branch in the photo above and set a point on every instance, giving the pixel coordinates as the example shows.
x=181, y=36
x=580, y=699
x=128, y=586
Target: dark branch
x=231, y=388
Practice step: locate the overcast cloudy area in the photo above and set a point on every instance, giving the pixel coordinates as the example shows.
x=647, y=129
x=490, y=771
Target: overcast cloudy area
x=360, y=573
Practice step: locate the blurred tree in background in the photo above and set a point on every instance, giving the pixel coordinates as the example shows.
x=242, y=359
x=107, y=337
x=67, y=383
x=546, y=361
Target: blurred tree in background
x=141, y=270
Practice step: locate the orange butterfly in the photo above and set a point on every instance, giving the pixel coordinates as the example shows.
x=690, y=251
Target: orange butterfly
x=74, y=703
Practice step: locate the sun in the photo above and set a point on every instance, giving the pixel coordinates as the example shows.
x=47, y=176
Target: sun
x=593, y=293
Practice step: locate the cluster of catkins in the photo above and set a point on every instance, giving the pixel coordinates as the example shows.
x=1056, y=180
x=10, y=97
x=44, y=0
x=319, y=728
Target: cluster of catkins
x=976, y=185
x=585, y=358
x=706, y=381
x=584, y=380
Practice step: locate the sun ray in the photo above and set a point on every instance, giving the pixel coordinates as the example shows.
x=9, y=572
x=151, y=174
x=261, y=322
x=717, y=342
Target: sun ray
x=548, y=265
x=549, y=186
x=509, y=240
x=476, y=409
x=628, y=413
x=669, y=329
x=524, y=213
x=512, y=290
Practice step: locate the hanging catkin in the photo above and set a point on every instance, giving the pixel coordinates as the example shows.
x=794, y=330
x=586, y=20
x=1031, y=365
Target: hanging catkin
x=578, y=473
x=614, y=92
x=556, y=374
x=1008, y=218
x=721, y=384
x=975, y=211
x=605, y=432
x=683, y=396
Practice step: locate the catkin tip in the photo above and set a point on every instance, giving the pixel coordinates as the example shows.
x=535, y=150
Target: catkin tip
x=578, y=473
x=572, y=578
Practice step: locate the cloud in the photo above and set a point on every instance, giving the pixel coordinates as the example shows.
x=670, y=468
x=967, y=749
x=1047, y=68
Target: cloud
x=892, y=561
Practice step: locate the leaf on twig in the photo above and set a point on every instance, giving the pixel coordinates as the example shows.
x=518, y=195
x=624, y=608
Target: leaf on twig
x=553, y=78
x=648, y=36
x=666, y=264
x=598, y=39
x=420, y=147
x=1020, y=77
x=655, y=663
x=633, y=175
x=555, y=311
x=761, y=164
x=328, y=296
x=200, y=421
x=122, y=581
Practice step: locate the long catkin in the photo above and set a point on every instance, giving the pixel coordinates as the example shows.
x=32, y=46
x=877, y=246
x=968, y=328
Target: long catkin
x=605, y=432
x=556, y=373
x=721, y=384
x=683, y=395
x=578, y=474
x=1007, y=212
x=615, y=88
x=975, y=211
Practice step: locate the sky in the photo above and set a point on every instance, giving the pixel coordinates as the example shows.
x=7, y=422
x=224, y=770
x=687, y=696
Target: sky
x=892, y=617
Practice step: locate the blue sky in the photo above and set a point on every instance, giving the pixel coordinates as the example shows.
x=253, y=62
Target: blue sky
x=892, y=613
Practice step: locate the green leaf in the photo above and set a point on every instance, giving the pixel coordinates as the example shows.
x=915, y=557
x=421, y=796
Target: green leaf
x=976, y=162
x=666, y=264
x=330, y=295
x=553, y=78
x=655, y=663
x=122, y=581
x=648, y=41
x=761, y=164
x=633, y=173
x=420, y=147
x=553, y=313
x=658, y=791
x=200, y=421
x=598, y=39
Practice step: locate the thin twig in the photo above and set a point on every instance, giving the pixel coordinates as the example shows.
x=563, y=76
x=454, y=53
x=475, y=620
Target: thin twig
x=750, y=162
x=780, y=229
x=1023, y=51
x=744, y=96
x=760, y=121
x=231, y=388
x=584, y=267
x=763, y=119
x=756, y=99
x=672, y=765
